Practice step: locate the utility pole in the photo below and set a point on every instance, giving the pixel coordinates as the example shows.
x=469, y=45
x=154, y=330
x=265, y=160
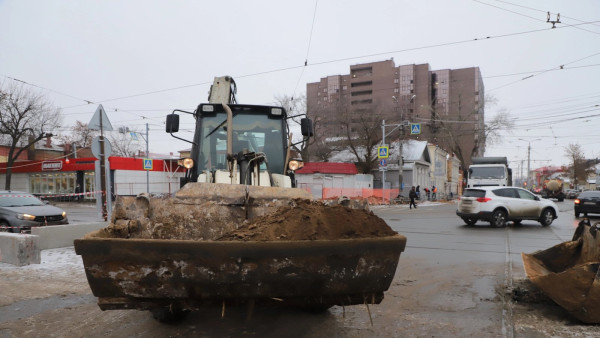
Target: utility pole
x=528, y=165
x=148, y=156
x=146, y=137
x=103, y=171
x=383, y=125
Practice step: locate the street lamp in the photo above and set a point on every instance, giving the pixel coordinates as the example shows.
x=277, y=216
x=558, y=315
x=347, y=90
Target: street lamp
x=529, y=159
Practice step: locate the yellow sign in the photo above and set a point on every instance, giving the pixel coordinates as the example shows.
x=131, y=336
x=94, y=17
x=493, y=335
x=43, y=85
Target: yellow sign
x=383, y=152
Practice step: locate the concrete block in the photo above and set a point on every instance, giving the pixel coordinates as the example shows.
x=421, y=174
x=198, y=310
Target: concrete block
x=19, y=249
x=60, y=236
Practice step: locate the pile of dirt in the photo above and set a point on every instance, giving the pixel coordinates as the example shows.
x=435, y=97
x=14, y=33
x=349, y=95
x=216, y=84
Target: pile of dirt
x=311, y=220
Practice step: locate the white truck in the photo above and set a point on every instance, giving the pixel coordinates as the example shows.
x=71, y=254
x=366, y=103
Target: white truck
x=489, y=171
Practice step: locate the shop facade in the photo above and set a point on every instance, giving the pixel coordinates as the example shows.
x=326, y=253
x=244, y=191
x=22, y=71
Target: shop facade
x=69, y=179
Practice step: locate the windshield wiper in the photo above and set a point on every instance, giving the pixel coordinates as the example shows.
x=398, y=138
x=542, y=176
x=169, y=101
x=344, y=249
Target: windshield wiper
x=221, y=124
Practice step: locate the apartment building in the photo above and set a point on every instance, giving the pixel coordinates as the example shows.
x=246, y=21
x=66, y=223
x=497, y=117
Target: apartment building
x=447, y=103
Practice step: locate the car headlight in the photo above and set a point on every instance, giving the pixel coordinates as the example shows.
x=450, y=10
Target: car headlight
x=295, y=165
x=26, y=217
x=187, y=162
x=64, y=214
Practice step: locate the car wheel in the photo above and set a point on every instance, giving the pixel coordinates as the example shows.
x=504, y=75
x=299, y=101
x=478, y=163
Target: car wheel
x=547, y=217
x=498, y=218
x=4, y=227
x=576, y=214
x=470, y=221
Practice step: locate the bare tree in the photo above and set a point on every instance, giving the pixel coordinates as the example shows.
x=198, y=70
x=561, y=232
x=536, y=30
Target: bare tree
x=464, y=125
x=124, y=143
x=25, y=118
x=579, y=168
x=362, y=133
x=80, y=135
x=316, y=147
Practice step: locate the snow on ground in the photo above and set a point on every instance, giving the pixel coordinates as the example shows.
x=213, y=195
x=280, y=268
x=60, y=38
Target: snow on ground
x=52, y=260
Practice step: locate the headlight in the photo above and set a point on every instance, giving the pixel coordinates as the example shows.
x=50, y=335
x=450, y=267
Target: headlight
x=64, y=214
x=26, y=217
x=295, y=165
x=186, y=162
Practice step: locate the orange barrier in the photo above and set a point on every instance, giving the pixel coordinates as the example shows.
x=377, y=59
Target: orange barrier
x=375, y=196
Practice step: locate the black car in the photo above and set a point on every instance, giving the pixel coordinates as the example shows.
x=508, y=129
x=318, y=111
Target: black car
x=20, y=211
x=588, y=202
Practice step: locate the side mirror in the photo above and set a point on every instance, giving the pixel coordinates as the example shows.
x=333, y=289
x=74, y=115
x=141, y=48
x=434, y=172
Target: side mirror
x=306, y=126
x=172, y=123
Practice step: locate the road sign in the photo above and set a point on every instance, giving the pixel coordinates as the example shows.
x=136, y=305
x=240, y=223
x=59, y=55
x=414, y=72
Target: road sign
x=95, y=121
x=383, y=162
x=415, y=128
x=96, y=147
x=383, y=152
x=383, y=168
x=148, y=164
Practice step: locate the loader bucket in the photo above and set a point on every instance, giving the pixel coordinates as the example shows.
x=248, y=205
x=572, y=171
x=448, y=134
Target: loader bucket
x=569, y=273
x=147, y=274
x=183, y=251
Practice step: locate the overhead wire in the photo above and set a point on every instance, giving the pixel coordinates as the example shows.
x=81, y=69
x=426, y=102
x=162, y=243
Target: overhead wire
x=281, y=69
x=307, y=48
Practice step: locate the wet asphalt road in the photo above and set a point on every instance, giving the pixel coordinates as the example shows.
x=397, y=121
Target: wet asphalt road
x=446, y=285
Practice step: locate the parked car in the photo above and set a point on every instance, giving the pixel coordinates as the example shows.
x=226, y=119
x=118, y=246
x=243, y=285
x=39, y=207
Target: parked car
x=499, y=205
x=20, y=211
x=588, y=202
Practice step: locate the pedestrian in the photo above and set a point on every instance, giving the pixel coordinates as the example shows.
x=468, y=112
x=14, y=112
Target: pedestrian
x=412, y=194
x=78, y=192
x=428, y=193
x=418, y=192
x=434, y=192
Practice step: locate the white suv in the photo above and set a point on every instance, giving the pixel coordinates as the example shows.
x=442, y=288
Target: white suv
x=498, y=205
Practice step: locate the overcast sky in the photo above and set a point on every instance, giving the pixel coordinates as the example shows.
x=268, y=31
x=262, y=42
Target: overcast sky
x=142, y=59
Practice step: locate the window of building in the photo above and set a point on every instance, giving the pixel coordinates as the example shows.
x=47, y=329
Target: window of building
x=363, y=92
x=396, y=81
x=361, y=84
x=52, y=183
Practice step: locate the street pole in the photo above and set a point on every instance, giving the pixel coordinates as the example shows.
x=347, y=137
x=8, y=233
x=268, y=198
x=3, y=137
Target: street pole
x=529, y=165
x=383, y=171
x=148, y=156
x=103, y=172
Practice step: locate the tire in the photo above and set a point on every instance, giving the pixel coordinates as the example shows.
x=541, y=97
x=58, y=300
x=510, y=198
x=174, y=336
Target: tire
x=4, y=227
x=469, y=221
x=576, y=214
x=167, y=315
x=547, y=217
x=499, y=218
x=316, y=308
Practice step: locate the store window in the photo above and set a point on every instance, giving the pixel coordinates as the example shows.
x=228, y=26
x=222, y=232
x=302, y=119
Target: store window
x=52, y=183
x=89, y=184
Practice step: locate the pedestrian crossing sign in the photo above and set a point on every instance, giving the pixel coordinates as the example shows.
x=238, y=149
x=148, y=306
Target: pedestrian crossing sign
x=148, y=165
x=383, y=152
x=415, y=128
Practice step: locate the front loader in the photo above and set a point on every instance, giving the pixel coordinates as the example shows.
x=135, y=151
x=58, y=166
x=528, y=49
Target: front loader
x=166, y=254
